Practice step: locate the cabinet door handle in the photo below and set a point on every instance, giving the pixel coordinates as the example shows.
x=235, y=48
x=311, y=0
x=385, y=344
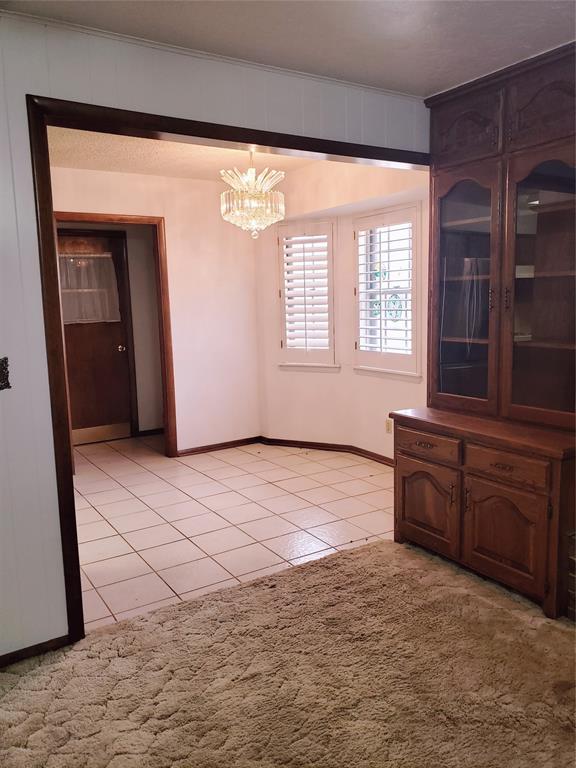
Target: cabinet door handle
x=467, y=499
x=424, y=444
x=452, y=488
x=507, y=297
x=490, y=299
x=502, y=467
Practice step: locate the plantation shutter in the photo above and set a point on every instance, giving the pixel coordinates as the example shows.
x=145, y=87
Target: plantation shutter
x=385, y=290
x=306, y=259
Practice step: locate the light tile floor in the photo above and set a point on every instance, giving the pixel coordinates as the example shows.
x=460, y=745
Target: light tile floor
x=154, y=531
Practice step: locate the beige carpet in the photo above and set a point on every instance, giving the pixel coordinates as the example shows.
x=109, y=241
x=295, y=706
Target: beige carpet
x=379, y=657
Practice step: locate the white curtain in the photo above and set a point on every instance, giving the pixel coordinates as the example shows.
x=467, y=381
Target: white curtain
x=89, y=288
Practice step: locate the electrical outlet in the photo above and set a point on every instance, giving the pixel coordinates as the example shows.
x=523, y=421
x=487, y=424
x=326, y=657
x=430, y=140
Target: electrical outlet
x=389, y=426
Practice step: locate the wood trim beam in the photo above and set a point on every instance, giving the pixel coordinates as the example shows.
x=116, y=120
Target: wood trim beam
x=34, y=650
x=71, y=114
x=56, y=369
x=291, y=443
x=330, y=447
x=219, y=446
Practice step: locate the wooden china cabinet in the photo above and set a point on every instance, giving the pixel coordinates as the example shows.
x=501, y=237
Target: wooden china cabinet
x=485, y=473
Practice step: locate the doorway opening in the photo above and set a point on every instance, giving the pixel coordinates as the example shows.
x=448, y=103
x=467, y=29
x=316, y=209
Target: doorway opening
x=116, y=320
x=45, y=112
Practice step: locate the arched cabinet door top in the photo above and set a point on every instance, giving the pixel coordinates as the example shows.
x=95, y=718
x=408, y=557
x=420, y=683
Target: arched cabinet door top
x=428, y=476
x=525, y=163
x=486, y=174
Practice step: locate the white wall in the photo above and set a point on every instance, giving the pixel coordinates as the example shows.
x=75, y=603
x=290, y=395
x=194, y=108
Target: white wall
x=53, y=60
x=331, y=187
x=211, y=284
x=338, y=405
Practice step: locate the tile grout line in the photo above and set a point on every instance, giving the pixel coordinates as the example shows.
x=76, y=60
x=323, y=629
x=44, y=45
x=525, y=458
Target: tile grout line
x=137, y=466
x=186, y=538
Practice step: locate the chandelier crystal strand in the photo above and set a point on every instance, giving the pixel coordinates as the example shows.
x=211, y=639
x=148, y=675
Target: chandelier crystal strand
x=252, y=204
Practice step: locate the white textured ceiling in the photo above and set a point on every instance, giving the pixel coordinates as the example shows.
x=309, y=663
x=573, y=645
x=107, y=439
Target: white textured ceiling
x=412, y=46
x=70, y=148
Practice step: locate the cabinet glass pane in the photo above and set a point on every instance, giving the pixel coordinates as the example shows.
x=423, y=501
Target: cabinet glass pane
x=544, y=296
x=465, y=218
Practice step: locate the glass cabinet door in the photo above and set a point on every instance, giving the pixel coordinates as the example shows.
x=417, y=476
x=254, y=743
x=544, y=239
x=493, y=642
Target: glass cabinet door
x=540, y=291
x=467, y=227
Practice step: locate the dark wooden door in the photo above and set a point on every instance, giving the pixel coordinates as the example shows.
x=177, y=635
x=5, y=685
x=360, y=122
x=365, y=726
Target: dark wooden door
x=539, y=287
x=464, y=288
x=428, y=506
x=97, y=334
x=505, y=534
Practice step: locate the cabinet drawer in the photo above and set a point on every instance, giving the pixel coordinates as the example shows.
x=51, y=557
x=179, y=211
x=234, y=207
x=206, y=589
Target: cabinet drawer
x=522, y=470
x=434, y=447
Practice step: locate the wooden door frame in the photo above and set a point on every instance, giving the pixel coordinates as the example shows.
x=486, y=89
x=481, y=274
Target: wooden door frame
x=43, y=112
x=163, y=305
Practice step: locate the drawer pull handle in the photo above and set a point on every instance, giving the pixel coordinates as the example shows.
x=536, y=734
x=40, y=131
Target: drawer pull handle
x=502, y=467
x=424, y=444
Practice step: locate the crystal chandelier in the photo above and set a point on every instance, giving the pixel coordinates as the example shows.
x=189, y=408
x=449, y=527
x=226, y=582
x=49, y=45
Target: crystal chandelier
x=251, y=204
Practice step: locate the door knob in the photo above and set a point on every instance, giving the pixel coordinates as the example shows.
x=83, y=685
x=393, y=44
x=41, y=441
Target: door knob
x=121, y=348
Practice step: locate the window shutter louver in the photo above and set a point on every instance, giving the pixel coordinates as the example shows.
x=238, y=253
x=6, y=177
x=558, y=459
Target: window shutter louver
x=385, y=294
x=306, y=285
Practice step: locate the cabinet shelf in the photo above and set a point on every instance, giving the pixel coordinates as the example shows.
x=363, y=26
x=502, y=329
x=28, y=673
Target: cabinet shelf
x=463, y=340
x=564, y=205
x=520, y=342
x=536, y=210
x=466, y=222
x=531, y=275
x=465, y=278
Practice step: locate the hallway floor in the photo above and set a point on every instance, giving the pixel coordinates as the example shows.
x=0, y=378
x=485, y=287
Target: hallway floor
x=153, y=531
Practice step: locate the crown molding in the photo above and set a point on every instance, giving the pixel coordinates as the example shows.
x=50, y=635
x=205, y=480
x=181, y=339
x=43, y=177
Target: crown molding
x=202, y=55
x=500, y=75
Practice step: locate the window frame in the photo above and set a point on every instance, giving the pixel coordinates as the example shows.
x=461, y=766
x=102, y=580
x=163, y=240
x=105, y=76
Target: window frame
x=314, y=358
x=394, y=363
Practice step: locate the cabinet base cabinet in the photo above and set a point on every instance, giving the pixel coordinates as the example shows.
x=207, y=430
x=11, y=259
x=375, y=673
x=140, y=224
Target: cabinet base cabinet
x=506, y=511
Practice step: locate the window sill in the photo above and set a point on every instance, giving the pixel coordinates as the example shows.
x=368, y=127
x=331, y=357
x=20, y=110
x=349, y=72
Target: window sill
x=318, y=367
x=388, y=372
